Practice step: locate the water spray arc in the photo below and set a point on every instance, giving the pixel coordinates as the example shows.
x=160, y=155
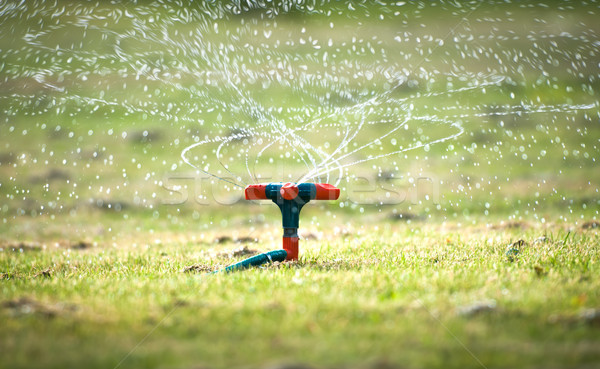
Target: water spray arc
x=291, y=197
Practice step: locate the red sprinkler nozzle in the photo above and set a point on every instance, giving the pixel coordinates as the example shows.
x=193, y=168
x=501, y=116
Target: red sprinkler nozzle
x=289, y=191
x=291, y=197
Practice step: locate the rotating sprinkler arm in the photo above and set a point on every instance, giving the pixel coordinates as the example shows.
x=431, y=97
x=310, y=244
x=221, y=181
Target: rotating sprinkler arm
x=291, y=197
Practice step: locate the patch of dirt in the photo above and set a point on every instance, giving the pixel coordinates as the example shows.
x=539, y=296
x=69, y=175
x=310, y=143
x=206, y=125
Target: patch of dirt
x=144, y=136
x=27, y=306
x=7, y=158
x=280, y=265
x=20, y=246
x=46, y=273
x=222, y=239
x=591, y=317
x=244, y=251
x=197, y=268
x=310, y=236
x=53, y=174
x=92, y=154
x=27, y=206
x=389, y=175
x=245, y=240
x=404, y=217
x=108, y=205
x=335, y=264
x=564, y=319
x=477, y=308
x=240, y=251
x=23, y=246
x=381, y=364
x=8, y=276
x=80, y=245
x=273, y=265
x=539, y=271
x=237, y=134
x=592, y=224
x=57, y=133
x=288, y=366
x=228, y=239
x=510, y=225
x=342, y=232
x=519, y=244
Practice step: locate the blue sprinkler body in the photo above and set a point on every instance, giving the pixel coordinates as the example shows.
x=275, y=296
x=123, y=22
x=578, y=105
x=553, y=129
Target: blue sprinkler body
x=291, y=197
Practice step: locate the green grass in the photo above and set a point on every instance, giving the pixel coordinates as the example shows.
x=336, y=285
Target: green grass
x=95, y=237
x=393, y=295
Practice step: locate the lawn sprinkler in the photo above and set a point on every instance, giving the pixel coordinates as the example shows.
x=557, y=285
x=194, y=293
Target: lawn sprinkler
x=291, y=197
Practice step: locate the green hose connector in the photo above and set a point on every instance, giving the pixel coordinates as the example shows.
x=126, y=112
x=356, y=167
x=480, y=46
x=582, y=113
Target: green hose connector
x=256, y=260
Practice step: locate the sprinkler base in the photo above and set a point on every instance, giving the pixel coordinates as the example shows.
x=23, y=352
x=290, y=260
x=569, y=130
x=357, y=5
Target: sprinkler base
x=290, y=245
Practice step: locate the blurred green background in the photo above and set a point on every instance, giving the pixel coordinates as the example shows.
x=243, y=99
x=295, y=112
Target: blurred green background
x=99, y=100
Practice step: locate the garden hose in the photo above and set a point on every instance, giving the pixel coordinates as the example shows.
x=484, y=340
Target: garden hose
x=256, y=260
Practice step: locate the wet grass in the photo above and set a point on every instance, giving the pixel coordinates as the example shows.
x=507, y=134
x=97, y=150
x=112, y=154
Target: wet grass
x=409, y=296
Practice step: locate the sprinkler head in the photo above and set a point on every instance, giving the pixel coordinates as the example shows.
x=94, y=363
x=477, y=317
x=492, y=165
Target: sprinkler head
x=289, y=191
x=291, y=197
